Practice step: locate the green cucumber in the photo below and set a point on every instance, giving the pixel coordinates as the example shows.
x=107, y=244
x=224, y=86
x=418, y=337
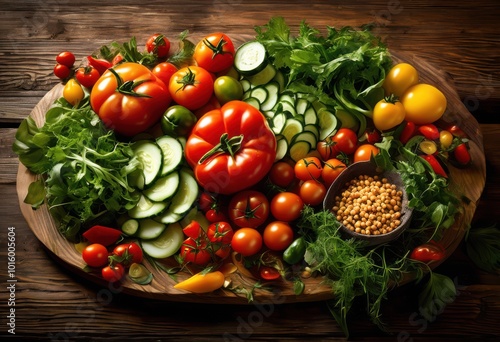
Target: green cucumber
x=250, y=58
x=163, y=188
x=166, y=244
x=172, y=153
x=149, y=229
x=150, y=155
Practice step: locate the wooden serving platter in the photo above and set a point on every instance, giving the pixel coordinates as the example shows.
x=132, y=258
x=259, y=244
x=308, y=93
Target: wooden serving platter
x=468, y=182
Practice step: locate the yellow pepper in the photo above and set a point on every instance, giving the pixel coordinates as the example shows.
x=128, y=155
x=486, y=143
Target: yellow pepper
x=202, y=282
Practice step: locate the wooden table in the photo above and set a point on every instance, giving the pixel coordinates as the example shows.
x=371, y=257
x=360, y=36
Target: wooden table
x=459, y=37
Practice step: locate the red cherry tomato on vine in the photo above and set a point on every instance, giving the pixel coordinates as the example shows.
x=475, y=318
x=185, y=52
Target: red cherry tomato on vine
x=215, y=52
x=312, y=192
x=308, y=168
x=66, y=58
x=215, y=215
x=249, y=208
x=131, y=252
x=278, y=236
x=191, y=87
x=220, y=232
x=158, y=45
x=246, y=241
x=194, y=251
x=286, y=206
x=87, y=76
x=113, y=273
x=282, y=174
x=61, y=71
x=331, y=170
x=95, y=255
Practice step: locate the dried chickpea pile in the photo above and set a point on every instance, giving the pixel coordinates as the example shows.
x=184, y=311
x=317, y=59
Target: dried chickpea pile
x=369, y=205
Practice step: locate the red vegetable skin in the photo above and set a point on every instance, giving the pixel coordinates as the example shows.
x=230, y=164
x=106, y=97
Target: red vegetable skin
x=428, y=252
x=436, y=166
x=103, y=235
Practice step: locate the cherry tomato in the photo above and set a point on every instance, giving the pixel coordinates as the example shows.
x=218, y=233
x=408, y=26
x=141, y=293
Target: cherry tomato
x=95, y=255
x=435, y=165
x=423, y=104
x=445, y=139
x=215, y=52
x=194, y=251
x=461, y=154
x=308, y=168
x=113, y=273
x=131, y=252
x=429, y=131
x=331, y=170
x=249, y=208
x=164, y=71
x=87, y=76
x=365, y=152
x=73, y=92
x=246, y=241
x=408, y=132
x=215, y=215
x=269, y=273
x=193, y=229
x=278, y=236
x=177, y=121
x=207, y=201
x=191, y=87
x=312, y=192
x=326, y=149
x=282, y=174
x=62, y=71
x=401, y=77
x=428, y=252
x=227, y=88
x=387, y=114
x=345, y=141
x=286, y=206
x=66, y=58
x=220, y=232
x=158, y=45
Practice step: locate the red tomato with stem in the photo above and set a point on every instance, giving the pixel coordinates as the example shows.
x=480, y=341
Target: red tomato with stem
x=345, y=141
x=326, y=149
x=113, y=273
x=158, y=45
x=191, y=87
x=220, y=233
x=193, y=229
x=87, y=76
x=164, y=71
x=282, y=174
x=308, y=168
x=215, y=52
x=312, y=192
x=331, y=170
x=129, y=98
x=195, y=251
x=95, y=255
x=249, y=208
x=278, y=236
x=231, y=148
x=365, y=152
x=215, y=215
x=246, y=241
x=286, y=206
x=128, y=253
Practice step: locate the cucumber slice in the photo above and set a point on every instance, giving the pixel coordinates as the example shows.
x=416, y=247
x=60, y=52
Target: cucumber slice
x=130, y=227
x=299, y=150
x=278, y=122
x=163, y=188
x=263, y=77
x=280, y=79
x=301, y=105
x=313, y=129
x=186, y=195
x=287, y=97
x=246, y=85
x=260, y=93
x=253, y=102
x=250, y=58
x=292, y=127
x=281, y=147
x=172, y=153
x=273, y=89
x=328, y=124
x=151, y=157
x=146, y=208
x=288, y=107
x=310, y=116
x=168, y=217
x=150, y=229
x=305, y=136
x=166, y=244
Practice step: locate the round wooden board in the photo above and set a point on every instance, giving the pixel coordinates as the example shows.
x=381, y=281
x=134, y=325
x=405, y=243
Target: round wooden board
x=468, y=182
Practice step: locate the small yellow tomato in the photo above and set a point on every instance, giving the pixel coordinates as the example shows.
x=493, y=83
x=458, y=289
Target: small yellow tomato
x=202, y=282
x=388, y=114
x=401, y=77
x=423, y=104
x=445, y=139
x=73, y=92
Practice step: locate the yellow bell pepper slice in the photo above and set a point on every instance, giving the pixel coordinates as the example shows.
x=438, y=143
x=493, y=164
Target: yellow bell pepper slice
x=202, y=282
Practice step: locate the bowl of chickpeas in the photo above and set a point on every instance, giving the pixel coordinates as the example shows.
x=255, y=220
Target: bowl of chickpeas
x=370, y=204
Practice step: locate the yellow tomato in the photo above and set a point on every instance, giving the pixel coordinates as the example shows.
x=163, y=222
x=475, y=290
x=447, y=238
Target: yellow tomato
x=202, y=282
x=73, y=92
x=401, y=77
x=423, y=104
x=387, y=114
x=445, y=139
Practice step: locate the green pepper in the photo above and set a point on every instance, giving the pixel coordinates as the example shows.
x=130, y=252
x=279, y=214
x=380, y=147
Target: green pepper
x=295, y=252
x=177, y=121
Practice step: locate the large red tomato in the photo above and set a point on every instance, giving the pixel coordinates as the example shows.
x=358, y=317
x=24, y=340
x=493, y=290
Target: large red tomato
x=231, y=148
x=129, y=98
x=215, y=52
x=249, y=208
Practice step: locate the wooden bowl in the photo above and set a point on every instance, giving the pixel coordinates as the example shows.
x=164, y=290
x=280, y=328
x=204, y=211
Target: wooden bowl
x=370, y=169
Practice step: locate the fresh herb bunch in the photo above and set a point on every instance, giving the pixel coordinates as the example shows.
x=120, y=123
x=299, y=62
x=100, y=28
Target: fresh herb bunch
x=84, y=168
x=344, y=68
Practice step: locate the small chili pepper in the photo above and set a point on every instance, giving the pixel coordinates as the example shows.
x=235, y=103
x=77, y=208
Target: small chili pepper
x=100, y=65
x=408, y=132
x=436, y=166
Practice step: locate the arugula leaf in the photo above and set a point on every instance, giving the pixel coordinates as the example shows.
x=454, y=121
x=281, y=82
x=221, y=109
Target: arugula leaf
x=438, y=292
x=483, y=247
